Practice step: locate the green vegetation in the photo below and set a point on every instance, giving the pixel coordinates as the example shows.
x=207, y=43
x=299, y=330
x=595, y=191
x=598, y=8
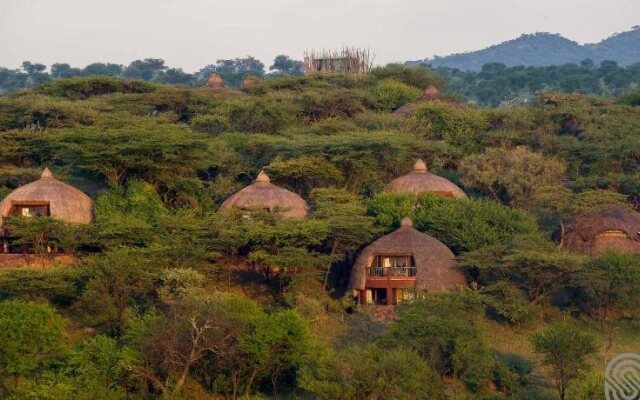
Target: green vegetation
x=171, y=299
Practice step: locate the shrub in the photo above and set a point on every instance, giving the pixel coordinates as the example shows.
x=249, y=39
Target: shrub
x=319, y=104
x=371, y=372
x=82, y=88
x=631, y=98
x=391, y=94
x=331, y=126
x=418, y=76
x=31, y=336
x=259, y=114
x=462, y=225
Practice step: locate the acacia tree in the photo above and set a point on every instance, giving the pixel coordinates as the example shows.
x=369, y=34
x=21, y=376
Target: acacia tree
x=345, y=215
x=511, y=175
x=530, y=262
x=32, y=336
x=610, y=282
x=565, y=349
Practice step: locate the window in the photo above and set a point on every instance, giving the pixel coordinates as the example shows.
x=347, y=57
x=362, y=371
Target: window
x=30, y=209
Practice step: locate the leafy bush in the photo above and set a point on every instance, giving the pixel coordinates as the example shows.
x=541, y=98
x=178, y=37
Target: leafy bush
x=371, y=372
x=391, y=94
x=418, y=77
x=261, y=114
x=82, y=88
x=462, y=225
x=319, y=104
x=630, y=98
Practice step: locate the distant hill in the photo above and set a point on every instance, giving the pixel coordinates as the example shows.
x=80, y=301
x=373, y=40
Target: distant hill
x=542, y=49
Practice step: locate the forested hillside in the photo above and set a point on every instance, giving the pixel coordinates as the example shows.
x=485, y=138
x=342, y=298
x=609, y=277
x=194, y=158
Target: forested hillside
x=544, y=49
x=499, y=85
x=169, y=298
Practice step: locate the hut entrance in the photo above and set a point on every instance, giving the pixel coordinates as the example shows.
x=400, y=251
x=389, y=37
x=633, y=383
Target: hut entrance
x=377, y=296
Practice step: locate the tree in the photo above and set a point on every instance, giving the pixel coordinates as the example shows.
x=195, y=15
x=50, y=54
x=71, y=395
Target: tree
x=106, y=69
x=391, y=94
x=284, y=65
x=610, y=283
x=511, y=175
x=233, y=71
x=46, y=235
x=305, y=173
x=31, y=68
x=371, y=372
x=32, y=336
x=277, y=347
x=63, y=70
x=565, y=349
x=147, y=69
x=463, y=225
x=345, y=215
x=441, y=331
x=531, y=262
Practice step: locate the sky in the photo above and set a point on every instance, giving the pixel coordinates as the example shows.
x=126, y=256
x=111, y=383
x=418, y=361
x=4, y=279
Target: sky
x=190, y=34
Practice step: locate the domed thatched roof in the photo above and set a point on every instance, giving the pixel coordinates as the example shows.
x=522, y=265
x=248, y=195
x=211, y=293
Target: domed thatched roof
x=65, y=202
x=421, y=181
x=264, y=195
x=616, y=229
x=249, y=82
x=215, y=82
x=433, y=260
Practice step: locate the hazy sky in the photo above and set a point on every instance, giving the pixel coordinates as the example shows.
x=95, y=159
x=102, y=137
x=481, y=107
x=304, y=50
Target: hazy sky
x=192, y=33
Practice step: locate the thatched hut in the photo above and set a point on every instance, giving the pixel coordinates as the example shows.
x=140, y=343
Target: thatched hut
x=264, y=195
x=390, y=269
x=249, y=82
x=46, y=197
x=419, y=181
x=215, y=82
x=617, y=229
x=430, y=94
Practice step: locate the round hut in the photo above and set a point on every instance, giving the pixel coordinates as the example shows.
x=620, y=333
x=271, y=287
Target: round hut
x=215, y=82
x=419, y=181
x=617, y=229
x=390, y=269
x=249, y=82
x=262, y=194
x=46, y=197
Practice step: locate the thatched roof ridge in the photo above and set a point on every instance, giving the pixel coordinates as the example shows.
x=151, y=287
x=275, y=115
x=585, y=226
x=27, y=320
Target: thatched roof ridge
x=419, y=180
x=65, y=201
x=262, y=194
x=435, y=263
x=583, y=230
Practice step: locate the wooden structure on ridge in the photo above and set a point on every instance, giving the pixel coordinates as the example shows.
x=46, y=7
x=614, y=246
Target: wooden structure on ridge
x=349, y=60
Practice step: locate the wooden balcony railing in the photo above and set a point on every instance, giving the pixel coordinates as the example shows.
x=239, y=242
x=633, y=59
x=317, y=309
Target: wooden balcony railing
x=400, y=272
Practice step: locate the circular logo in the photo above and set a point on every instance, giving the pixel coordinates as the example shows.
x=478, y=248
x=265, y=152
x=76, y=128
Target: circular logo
x=622, y=377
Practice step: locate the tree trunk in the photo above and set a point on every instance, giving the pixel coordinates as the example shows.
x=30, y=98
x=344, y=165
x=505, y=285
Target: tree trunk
x=326, y=275
x=247, y=390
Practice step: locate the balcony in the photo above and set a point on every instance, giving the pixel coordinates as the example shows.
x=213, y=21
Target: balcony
x=393, y=272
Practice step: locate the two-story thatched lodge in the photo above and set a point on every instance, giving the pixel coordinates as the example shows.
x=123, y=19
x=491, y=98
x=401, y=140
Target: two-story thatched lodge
x=263, y=195
x=592, y=234
x=421, y=181
x=45, y=197
x=393, y=267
